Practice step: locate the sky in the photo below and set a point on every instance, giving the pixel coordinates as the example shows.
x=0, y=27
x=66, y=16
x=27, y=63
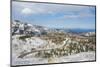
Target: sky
x=54, y=15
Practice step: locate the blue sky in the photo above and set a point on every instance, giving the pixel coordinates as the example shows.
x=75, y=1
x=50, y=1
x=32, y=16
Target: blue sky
x=54, y=15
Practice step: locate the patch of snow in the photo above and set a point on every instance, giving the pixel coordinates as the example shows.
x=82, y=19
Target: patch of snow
x=84, y=56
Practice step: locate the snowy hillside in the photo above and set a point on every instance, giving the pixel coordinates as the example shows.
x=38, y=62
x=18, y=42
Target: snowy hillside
x=24, y=28
x=33, y=44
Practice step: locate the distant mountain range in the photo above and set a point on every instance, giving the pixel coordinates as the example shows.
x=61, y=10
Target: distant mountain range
x=19, y=27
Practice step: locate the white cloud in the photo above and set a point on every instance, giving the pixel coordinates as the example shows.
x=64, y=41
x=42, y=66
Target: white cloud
x=70, y=16
x=26, y=11
x=86, y=14
x=43, y=8
x=79, y=15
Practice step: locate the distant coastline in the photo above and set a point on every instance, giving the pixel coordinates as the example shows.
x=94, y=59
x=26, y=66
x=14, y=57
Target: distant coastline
x=82, y=30
x=78, y=30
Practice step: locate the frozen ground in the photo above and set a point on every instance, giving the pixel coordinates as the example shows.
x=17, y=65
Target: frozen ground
x=20, y=46
x=84, y=56
x=30, y=59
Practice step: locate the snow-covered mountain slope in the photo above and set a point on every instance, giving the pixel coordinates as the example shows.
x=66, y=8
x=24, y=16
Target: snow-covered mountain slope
x=90, y=34
x=25, y=28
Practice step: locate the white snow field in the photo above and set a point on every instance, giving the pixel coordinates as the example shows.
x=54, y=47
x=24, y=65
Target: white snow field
x=20, y=46
x=30, y=59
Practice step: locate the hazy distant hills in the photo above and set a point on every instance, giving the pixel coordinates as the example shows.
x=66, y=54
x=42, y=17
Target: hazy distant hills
x=19, y=27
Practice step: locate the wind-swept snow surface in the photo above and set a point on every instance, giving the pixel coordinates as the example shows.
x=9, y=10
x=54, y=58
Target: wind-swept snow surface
x=84, y=56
